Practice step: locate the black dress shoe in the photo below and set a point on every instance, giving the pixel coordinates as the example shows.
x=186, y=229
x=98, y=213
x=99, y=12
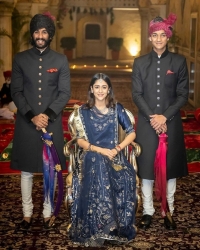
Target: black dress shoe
x=169, y=223
x=145, y=221
x=48, y=225
x=25, y=225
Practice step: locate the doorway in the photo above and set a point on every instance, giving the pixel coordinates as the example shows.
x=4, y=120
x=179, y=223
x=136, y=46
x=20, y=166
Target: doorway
x=93, y=40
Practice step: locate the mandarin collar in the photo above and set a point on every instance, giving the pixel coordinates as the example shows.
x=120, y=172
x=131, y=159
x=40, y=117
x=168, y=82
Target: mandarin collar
x=37, y=52
x=164, y=54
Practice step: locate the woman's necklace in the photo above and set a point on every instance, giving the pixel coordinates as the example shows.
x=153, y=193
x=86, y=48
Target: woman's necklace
x=103, y=111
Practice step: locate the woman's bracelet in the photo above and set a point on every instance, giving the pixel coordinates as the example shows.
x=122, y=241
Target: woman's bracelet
x=89, y=147
x=92, y=149
x=118, y=148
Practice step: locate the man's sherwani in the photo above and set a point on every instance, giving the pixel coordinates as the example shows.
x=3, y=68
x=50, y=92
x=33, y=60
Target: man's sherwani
x=40, y=84
x=160, y=86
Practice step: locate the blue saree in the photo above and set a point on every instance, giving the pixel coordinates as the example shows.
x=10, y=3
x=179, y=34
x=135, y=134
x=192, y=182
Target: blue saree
x=103, y=199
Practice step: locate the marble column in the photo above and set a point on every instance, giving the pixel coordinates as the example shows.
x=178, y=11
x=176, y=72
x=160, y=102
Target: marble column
x=24, y=9
x=5, y=42
x=53, y=8
x=145, y=47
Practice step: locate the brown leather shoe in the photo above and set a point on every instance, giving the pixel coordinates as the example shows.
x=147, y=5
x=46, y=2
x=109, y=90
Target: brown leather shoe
x=145, y=221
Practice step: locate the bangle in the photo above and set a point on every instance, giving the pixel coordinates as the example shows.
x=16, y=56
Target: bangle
x=92, y=149
x=118, y=148
x=89, y=147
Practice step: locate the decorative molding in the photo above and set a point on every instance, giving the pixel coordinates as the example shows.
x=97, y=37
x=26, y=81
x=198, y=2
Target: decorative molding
x=144, y=13
x=6, y=8
x=154, y=12
x=32, y=1
x=158, y=2
x=54, y=2
x=24, y=8
x=103, y=3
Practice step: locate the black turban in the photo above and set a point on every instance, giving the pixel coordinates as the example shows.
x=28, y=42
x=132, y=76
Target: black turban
x=40, y=21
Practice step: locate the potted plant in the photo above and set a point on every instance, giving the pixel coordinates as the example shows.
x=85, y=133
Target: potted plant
x=174, y=41
x=68, y=43
x=115, y=44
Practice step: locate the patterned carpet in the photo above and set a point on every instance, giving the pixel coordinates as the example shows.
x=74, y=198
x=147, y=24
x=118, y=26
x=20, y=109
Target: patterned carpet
x=187, y=217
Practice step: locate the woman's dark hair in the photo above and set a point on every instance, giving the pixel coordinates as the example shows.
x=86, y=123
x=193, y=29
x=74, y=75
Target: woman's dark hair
x=110, y=100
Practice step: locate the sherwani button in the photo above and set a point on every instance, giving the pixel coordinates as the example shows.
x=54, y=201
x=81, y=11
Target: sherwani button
x=158, y=90
x=158, y=105
x=39, y=88
x=39, y=81
x=39, y=103
x=39, y=96
x=40, y=67
x=40, y=59
x=158, y=76
x=40, y=74
x=158, y=69
x=158, y=83
x=158, y=98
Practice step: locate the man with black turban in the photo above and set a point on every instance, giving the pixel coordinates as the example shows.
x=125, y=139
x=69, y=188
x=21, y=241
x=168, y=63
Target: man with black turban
x=40, y=89
x=160, y=89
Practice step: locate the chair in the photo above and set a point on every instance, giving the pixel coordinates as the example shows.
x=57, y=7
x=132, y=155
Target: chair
x=72, y=150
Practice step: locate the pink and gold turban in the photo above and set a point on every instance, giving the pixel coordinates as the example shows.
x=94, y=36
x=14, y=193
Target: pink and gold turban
x=159, y=23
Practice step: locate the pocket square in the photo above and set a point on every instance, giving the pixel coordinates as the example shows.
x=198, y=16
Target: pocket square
x=169, y=72
x=52, y=70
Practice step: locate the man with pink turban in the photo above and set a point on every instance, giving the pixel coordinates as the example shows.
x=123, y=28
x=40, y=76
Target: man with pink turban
x=160, y=89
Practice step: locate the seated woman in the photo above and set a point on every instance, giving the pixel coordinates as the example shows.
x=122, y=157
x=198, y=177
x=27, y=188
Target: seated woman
x=104, y=182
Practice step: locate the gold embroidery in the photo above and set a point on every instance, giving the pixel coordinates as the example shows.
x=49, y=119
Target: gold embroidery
x=78, y=123
x=58, y=167
x=5, y=155
x=48, y=142
x=117, y=167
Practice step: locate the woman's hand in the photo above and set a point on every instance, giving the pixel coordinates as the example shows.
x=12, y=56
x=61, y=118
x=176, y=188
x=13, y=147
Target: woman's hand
x=110, y=153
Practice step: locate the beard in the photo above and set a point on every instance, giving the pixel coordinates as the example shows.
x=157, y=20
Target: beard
x=41, y=46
